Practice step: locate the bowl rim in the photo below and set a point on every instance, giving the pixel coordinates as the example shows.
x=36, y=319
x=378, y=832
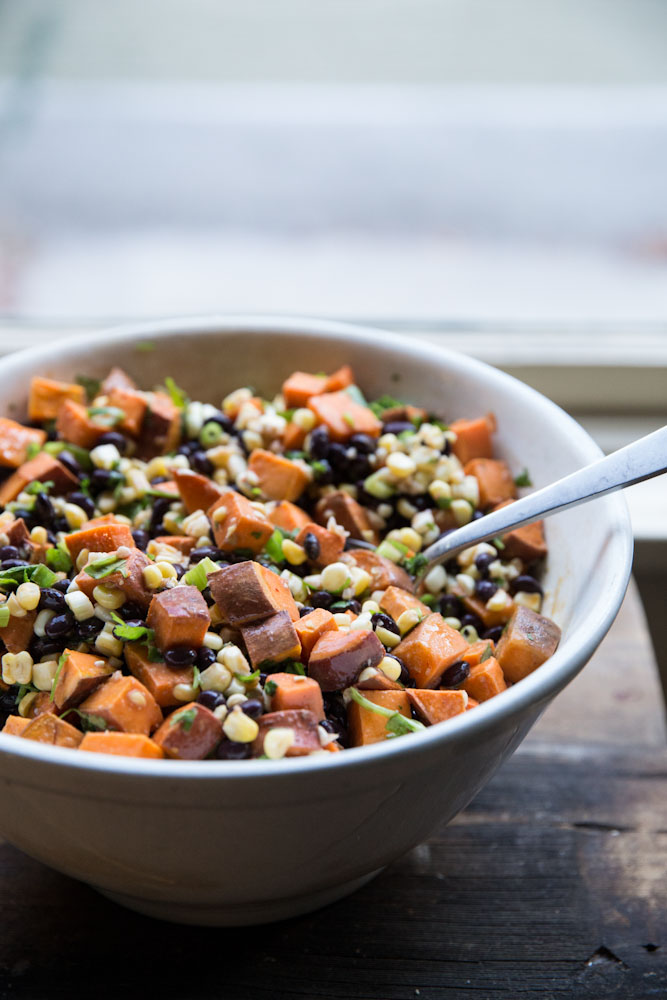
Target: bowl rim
x=535, y=689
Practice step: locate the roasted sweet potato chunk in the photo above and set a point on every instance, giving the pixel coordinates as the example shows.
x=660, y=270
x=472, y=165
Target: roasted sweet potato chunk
x=437, y=706
x=278, y=478
x=527, y=543
x=161, y=427
x=15, y=440
x=473, y=438
x=78, y=676
x=133, y=405
x=75, y=424
x=17, y=633
x=485, y=680
x=528, y=640
x=383, y=572
x=47, y=396
x=179, y=617
x=15, y=725
x=340, y=379
x=123, y=744
x=129, y=580
x=300, y=386
x=156, y=676
x=348, y=513
x=311, y=627
x=294, y=691
x=329, y=545
x=237, y=525
x=288, y=516
x=125, y=704
x=367, y=726
x=247, y=592
x=494, y=479
x=272, y=640
x=337, y=658
x=429, y=649
x=189, y=733
x=304, y=731
x=197, y=492
x=344, y=417
x=395, y=601
x=42, y=467
x=49, y=728
x=117, y=379
x=99, y=538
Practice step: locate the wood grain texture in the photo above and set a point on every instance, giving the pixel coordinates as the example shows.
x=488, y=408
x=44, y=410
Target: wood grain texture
x=550, y=886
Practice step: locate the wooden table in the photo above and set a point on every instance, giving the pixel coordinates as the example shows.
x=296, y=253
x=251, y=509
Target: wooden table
x=552, y=884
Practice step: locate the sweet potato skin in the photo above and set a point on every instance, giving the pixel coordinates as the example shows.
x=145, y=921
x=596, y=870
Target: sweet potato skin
x=79, y=675
x=304, y=724
x=246, y=592
x=527, y=642
x=429, y=649
x=348, y=513
x=337, y=658
x=271, y=640
x=311, y=627
x=179, y=617
x=189, y=733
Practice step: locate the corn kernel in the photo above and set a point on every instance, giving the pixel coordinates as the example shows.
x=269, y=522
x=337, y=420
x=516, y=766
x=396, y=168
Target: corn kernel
x=234, y=660
x=408, y=620
x=41, y=621
x=76, y=516
x=236, y=699
x=109, y=597
x=453, y=622
x=390, y=667
x=372, y=607
x=400, y=465
x=278, y=741
x=17, y=668
x=107, y=643
x=105, y=456
x=28, y=595
x=532, y=601
x=387, y=637
x=213, y=641
x=361, y=623
x=43, y=674
x=15, y=609
x=239, y=727
x=342, y=620
x=217, y=677
x=295, y=554
x=462, y=511
x=83, y=558
x=26, y=702
x=152, y=576
x=435, y=580
x=335, y=577
x=466, y=583
x=38, y=535
x=184, y=692
x=305, y=419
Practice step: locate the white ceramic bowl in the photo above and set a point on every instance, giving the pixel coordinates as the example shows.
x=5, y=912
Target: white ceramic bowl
x=219, y=842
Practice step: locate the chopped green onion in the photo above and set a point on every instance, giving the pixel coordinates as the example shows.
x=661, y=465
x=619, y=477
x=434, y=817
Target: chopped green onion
x=163, y=494
x=274, y=547
x=378, y=406
x=248, y=678
x=58, y=559
x=197, y=575
x=32, y=450
x=499, y=543
x=131, y=633
x=178, y=397
x=211, y=434
x=111, y=415
x=4, y=615
x=486, y=654
x=186, y=717
x=36, y=487
x=43, y=576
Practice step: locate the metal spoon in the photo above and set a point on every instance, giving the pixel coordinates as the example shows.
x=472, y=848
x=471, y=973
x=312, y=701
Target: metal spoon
x=636, y=462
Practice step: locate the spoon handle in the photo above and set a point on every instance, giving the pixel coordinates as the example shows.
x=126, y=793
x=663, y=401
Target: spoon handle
x=638, y=461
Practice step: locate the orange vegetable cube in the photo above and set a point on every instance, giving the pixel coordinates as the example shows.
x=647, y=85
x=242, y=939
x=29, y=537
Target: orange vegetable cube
x=429, y=649
x=527, y=543
x=105, y=537
x=494, y=479
x=161, y=426
x=292, y=691
x=17, y=633
x=437, y=706
x=49, y=728
x=288, y=516
x=486, y=680
x=277, y=477
x=123, y=744
x=383, y=572
x=189, y=733
x=15, y=725
x=117, y=379
x=304, y=730
x=395, y=601
x=340, y=379
x=246, y=592
x=125, y=704
x=300, y=386
x=156, y=676
x=476, y=650
x=15, y=440
x=528, y=640
x=293, y=437
x=182, y=543
x=343, y=416
x=79, y=674
x=473, y=438
x=179, y=617
x=47, y=396
x=272, y=640
x=311, y=627
x=197, y=492
x=74, y=424
x=348, y=513
x=238, y=525
x=366, y=726
x=330, y=543
x=42, y=467
x=134, y=405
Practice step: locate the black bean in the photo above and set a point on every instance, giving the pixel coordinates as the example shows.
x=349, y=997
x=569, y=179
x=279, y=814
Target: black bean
x=201, y=463
x=471, y=619
x=141, y=538
x=319, y=442
x=131, y=612
x=398, y=426
x=328, y=726
x=446, y=448
x=494, y=633
x=44, y=510
x=358, y=468
x=450, y=606
x=320, y=599
x=206, y=552
x=352, y=605
x=156, y=480
x=222, y=420
x=61, y=585
x=160, y=508
x=8, y=700
x=179, y=569
x=422, y=501
x=13, y=563
x=82, y=501
x=41, y=646
x=207, y=595
x=455, y=674
x=526, y=584
x=52, y=599
x=211, y=699
x=115, y=438
x=337, y=458
x=323, y=472
x=364, y=444
x=89, y=629
x=61, y=524
x=60, y=625
x=67, y=459
x=105, y=479
x=379, y=619
x=485, y=589
x=228, y=750
x=189, y=448
x=305, y=610
x=483, y=561
x=205, y=657
x=8, y=552
x=27, y=516
x=180, y=656
x=253, y=707
x=311, y=545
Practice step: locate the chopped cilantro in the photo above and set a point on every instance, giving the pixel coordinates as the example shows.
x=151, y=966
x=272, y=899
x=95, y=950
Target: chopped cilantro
x=56, y=676
x=39, y=574
x=378, y=406
x=32, y=450
x=248, y=678
x=154, y=491
x=131, y=633
x=428, y=599
x=110, y=415
x=523, y=479
x=186, y=717
x=25, y=689
x=499, y=543
x=270, y=688
x=294, y=667
x=415, y=563
x=196, y=677
x=256, y=534
x=89, y=723
x=106, y=566
x=319, y=467
x=91, y=385
x=294, y=454
x=178, y=396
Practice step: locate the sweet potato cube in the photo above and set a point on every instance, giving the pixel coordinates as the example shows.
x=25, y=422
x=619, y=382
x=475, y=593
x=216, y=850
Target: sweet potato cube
x=494, y=479
x=377, y=681
x=47, y=396
x=49, y=728
x=311, y=627
x=197, y=492
x=293, y=691
x=429, y=649
x=528, y=640
x=134, y=405
x=330, y=543
x=123, y=744
x=15, y=725
x=105, y=537
x=179, y=617
x=293, y=437
x=42, y=467
x=473, y=438
x=337, y=658
x=437, y=706
x=383, y=572
x=239, y=525
x=78, y=676
x=17, y=533
x=343, y=417
x=348, y=513
x=395, y=601
x=476, y=650
x=340, y=379
x=161, y=428
x=182, y=543
x=17, y=633
x=486, y=680
x=300, y=386
x=304, y=731
x=117, y=379
x=130, y=579
x=366, y=726
x=189, y=733
x=156, y=676
x=246, y=592
x=288, y=516
x=15, y=440
x=526, y=543
x=74, y=424
x=41, y=704
x=490, y=618
x=277, y=477
x=125, y=704
x=272, y=640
